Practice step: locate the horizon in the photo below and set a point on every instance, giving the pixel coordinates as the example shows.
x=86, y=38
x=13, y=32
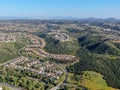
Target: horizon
x=53, y=18
x=62, y=8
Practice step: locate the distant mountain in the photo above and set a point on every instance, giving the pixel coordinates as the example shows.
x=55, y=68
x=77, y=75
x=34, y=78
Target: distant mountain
x=49, y=18
x=58, y=18
x=111, y=19
x=63, y=18
x=11, y=18
x=91, y=18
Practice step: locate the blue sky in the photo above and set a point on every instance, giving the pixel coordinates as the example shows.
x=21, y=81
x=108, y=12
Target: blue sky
x=50, y=8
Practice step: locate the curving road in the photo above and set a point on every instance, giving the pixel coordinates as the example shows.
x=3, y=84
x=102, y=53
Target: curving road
x=66, y=75
x=42, y=46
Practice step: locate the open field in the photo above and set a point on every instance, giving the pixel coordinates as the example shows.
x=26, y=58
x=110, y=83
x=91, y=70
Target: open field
x=9, y=51
x=90, y=80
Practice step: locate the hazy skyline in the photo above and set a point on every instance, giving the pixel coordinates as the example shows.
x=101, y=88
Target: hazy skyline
x=64, y=8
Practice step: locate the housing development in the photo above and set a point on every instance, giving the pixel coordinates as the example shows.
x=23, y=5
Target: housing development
x=60, y=54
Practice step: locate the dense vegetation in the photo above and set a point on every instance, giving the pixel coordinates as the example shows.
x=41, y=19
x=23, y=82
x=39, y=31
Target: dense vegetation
x=107, y=67
x=96, y=53
x=25, y=79
x=97, y=45
x=6, y=88
x=55, y=46
x=89, y=79
x=9, y=51
x=72, y=30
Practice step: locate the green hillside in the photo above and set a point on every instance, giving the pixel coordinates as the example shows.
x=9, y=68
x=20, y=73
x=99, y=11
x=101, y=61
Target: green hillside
x=55, y=46
x=9, y=51
x=100, y=63
x=89, y=79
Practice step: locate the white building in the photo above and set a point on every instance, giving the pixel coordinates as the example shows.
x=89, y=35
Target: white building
x=1, y=88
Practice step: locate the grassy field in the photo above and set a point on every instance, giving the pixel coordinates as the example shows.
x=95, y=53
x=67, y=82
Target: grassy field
x=9, y=51
x=90, y=80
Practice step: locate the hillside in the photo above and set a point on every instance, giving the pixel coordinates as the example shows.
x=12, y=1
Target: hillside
x=62, y=54
x=9, y=51
x=90, y=80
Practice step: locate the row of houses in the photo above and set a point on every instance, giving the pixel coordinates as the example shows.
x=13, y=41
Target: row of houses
x=10, y=37
x=39, y=51
x=36, y=41
x=42, y=68
x=18, y=26
x=44, y=54
x=59, y=36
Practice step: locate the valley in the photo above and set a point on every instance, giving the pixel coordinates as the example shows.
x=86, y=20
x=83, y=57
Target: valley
x=60, y=54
